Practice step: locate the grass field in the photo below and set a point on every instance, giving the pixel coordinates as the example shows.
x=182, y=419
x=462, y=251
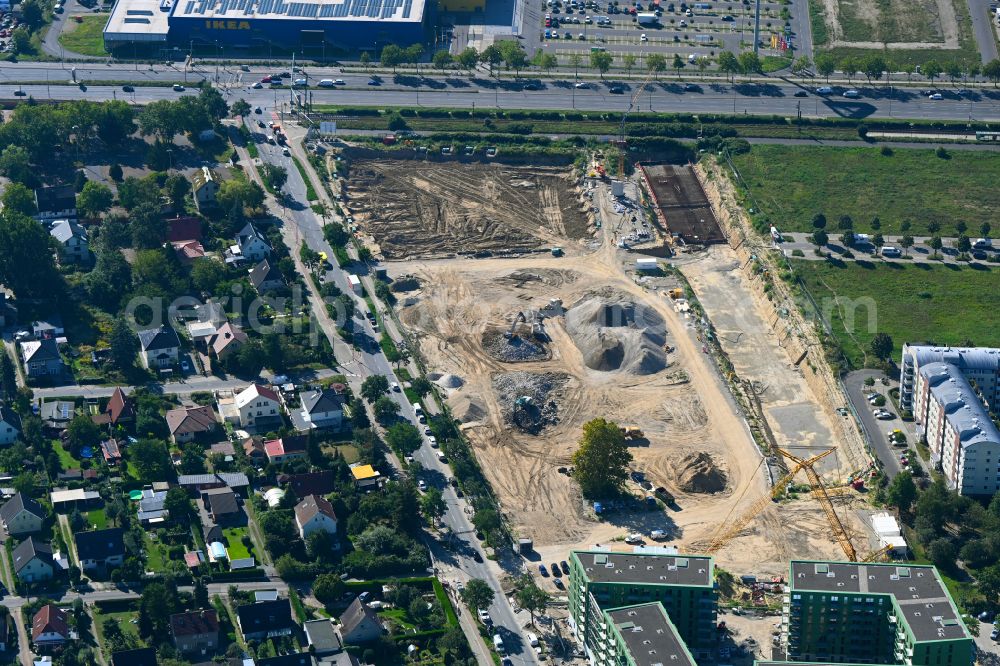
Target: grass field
x=65, y=459
x=86, y=38
x=912, y=303
x=98, y=519
x=793, y=183
x=156, y=554
x=236, y=549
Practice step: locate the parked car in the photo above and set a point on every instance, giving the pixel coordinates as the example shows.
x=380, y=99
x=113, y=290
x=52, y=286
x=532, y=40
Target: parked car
x=555, y=570
x=422, y=485
x=824, y=90
x=178, y=87
x=852, y=94
x=564, y=567
x=935, y=96
x=801, y=93
x=543, y=571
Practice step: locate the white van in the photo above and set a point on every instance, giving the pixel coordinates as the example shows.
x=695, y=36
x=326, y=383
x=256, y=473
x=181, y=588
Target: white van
x=889, y=251
x=532, y=639
x=498, y=643
x=981, y=243
x=325, y=83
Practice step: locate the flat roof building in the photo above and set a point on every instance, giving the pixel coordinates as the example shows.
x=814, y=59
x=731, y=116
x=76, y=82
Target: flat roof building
x=643, y=635
x=872, y=613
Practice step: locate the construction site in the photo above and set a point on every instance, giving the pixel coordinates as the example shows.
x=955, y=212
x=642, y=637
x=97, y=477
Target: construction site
x=539, y=344
x=422, y=208
x=680, y=205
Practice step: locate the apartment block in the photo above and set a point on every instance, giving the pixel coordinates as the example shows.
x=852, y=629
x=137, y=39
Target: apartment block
x=977, y=364
x=639, y=636
x=600, y=581
x=960, y=434
x=861, y=613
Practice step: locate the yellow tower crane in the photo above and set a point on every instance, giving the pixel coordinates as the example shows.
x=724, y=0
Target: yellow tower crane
x=621, y=130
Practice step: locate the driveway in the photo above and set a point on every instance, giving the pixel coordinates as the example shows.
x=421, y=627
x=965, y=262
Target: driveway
x=875, y=429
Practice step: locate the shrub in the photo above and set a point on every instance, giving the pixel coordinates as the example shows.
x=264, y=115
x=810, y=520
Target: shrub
x=886, y=151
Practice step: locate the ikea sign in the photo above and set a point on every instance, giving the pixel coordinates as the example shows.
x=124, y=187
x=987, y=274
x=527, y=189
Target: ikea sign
x=227, y=25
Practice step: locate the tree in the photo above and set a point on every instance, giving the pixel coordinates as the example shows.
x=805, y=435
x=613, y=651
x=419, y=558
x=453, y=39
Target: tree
x=392, y=56
x=15, y=163
x=530, y=597
x=179, y=504
x=403, y=437
x=21, y=38
x=477, y=594
x=991, y=70
x=961, y=227
x=239, y=193
x=134, y=192
x=240, y=108
x=548, y=62
x=124, y=345
x=94, y=199
x=82, y=431
x=468, y=58
x=18, y=199
x=276, y=175
x=601, y=61
x=878, y=240
x=984, y=229
x=932, y=69
x=935, y=244
x=601, y=463
x=963, y=244
x=27, y=266
x=374, y=387
x=413, y=53
x=150, y=459
x=801, y=66
x=432, y=504
x=8, y=377
x=820, y=238
x=954, y=70
x=492, y=56
x=656, y=63
x=677, y=64
x=819, y=221
x=941, y=553
x=906, y=242
x=826, y=65
x=876, y=223
x=386, y=409
x=933, y=226
x=850, y=66
x=328, y=588
x=750, y=64
x=513, y=54
x=31, y=13
x=441, y=59
x=873, y=67
x=729, y=64
x=359, y=416
x=881, y=346
x=628, y=62
x=421, y=386
x=365, y=59
x=902, y=492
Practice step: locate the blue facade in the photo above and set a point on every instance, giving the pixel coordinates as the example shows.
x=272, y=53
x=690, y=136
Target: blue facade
x=310, y=34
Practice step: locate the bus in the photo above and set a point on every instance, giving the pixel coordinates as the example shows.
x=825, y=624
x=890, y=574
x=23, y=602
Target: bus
x=988, y=136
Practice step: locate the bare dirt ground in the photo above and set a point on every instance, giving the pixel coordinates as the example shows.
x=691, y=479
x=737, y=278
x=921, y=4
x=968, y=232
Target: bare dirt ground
x=683, y=408
x=930, y=24
x=418, y=208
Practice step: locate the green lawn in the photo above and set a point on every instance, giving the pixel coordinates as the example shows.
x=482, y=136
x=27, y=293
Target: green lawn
x=793, y=183
x=86, y=38
x=912, y=303
x=236, y=549
x=122, y=618
x=65, y=459
x=156, y=553
x=97, y=519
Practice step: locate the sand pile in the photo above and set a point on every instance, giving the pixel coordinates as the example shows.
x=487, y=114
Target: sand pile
x=449, y=381
x=698, y=473
x=615, y=335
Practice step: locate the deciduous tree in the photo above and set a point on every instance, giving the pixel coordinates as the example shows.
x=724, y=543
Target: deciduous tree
x=601, y=463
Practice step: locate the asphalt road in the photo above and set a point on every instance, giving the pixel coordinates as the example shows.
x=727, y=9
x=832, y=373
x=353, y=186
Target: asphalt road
x=983, y=29
x=370, y=360
x=463, y=92
x=873, y=428
x=919, y=253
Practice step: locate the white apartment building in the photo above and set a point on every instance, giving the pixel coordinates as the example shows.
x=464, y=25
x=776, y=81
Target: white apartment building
x=979, y=364
x=959, y=431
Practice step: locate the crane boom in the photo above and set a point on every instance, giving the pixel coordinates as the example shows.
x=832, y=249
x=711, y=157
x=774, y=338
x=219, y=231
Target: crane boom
x=621, y=128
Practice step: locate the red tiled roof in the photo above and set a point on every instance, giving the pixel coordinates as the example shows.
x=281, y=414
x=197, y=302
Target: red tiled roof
x=119, y=407
x=183, y=229
x=50, y=619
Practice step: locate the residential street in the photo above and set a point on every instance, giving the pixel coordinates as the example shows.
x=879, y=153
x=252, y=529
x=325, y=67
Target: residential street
x=865, y=250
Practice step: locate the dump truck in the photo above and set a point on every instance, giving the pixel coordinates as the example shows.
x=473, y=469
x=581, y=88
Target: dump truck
x=631, y=432
x=664, y=495
x=676, y=293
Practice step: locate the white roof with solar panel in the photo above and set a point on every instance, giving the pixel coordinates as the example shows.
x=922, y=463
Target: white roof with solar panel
x=340, y=10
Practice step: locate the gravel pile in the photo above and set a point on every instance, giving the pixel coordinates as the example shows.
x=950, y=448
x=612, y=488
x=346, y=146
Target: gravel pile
x=517, y=349
x=614, y=334
x=542, y=390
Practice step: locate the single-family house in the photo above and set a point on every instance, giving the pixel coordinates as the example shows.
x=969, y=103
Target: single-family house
x=183, y=228
x=22, y=515
x=266, y=619
x=285, y=449
x=339, y=659
x=100, y=548
x=111, y=451
x=221, y=504
x=253, y=448
x=72, y=240
x=315, y=513
x=294, y=659
x=204, y=187
x=250, y=246
x=322, y=637
x=120, y=410
x=10, y=425
x=309, y=483
x=197, y=483
x=259, y=408
x=32, y=560
x=138, y=657
x=322, y=408
x=264, y=277
x=159, y=347
x=188, y=251
x=50, y=327
x=189, y=423
x=366, y=477
x=227, y=340
x=49, y=626
x=360, y=624
x=55, y=202
x=195, y=632
x=152, y=511
x=56, y=414
x=41, y=357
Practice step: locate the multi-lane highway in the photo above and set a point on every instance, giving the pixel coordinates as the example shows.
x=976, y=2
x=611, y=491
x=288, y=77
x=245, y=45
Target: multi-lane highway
x=482, y=91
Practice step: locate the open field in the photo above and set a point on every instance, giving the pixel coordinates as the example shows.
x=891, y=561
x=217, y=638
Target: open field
x=601, y=355
x=793, y=183
x=85, y=38
x=422, y=208
x=913, y=32
x=912, y=303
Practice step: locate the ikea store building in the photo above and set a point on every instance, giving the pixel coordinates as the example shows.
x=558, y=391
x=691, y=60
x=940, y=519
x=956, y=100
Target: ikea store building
x=310, y=28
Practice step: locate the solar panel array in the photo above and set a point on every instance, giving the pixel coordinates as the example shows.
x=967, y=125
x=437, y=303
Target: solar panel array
x=373, y=9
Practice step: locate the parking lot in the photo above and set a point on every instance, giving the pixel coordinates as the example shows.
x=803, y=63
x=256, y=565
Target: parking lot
x=694, y=31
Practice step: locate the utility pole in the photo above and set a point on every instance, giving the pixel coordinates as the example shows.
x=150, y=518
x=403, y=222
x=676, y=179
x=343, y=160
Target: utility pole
x=756, y=27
